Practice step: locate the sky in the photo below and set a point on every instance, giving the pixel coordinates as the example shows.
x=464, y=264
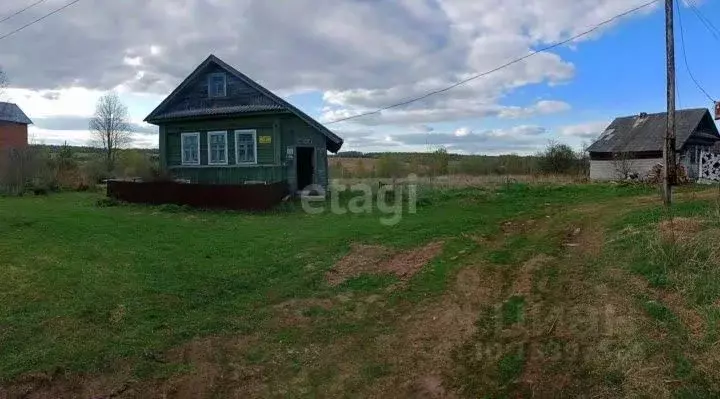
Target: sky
x=339, y=58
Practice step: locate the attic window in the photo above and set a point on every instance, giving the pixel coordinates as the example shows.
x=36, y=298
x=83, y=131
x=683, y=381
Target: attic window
x=217, y=85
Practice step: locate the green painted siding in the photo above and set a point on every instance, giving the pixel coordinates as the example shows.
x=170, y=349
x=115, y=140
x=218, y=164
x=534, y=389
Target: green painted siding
x=297, y=133
x=230, y=175
x=273, y=164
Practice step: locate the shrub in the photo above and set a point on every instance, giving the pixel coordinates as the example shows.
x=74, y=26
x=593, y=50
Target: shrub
x=439, y=162
x=94, y=171
x=25, y=170
x=561, y=159
x=135, y=164
x=390, y=166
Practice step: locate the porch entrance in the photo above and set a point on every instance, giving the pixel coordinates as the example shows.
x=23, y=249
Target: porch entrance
x=305, y=166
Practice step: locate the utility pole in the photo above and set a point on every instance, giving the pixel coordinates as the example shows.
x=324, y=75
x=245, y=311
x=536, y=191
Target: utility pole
x=669, y=147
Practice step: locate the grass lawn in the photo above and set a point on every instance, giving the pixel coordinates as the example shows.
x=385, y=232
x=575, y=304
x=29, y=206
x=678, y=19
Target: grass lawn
x=537, y=290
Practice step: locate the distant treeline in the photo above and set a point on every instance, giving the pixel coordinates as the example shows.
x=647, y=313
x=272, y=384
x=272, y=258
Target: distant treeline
x=87, y=149
x=556, y=159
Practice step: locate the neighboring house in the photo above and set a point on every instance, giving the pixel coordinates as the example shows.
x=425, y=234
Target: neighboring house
x=13, y=127
x=632, y=145
x=221, y=127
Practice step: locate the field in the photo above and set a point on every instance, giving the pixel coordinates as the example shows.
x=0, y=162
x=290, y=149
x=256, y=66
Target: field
x=513, y=290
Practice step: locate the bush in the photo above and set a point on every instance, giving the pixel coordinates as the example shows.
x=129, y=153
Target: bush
x=439, y=162
x=560, y=159
x=67, y=171
x=93, y=171
x=135, y=164
x=390, y=166
x=26, y=170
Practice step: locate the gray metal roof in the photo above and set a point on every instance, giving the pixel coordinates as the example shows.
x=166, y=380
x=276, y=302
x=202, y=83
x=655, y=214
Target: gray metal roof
x=10, y=112
x=646, y=132
x=218, y=111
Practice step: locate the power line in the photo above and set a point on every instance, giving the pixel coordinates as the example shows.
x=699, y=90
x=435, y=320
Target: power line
x=684, y=50
x=480, y=75
x=22, y=10
x=38, y=20
x=705, y=20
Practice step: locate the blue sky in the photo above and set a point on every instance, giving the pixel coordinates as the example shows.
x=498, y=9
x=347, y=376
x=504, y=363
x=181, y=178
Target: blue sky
x=340, y=58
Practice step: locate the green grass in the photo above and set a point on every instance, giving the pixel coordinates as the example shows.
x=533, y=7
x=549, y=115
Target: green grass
x=512, y=310
x=685, y=267
x=84, y=286
x=510, y=366
x=663, y=316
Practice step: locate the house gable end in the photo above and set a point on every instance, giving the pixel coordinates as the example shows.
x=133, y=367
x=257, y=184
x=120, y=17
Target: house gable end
x=707, y=125
x=192, y=97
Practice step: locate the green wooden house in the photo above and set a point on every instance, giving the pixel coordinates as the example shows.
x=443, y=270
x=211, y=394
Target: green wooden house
x=221, y=127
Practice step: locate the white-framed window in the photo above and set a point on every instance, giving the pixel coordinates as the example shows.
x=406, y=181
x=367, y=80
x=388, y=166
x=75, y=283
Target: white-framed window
x=246, y=146
x=190, y=148
x=217, y=85
x=217, y=148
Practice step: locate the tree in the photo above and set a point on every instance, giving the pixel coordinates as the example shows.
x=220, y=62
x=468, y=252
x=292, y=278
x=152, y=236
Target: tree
x=440, y=162
x=624, y=166
x=558, y=158
x=110, y=126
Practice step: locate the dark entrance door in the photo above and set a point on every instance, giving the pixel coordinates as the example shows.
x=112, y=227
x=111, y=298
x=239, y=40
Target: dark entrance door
x=305, y=166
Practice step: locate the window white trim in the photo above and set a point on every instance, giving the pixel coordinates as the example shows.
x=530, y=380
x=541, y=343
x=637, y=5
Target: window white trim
x=255, y=147
x=211, y=87
x=182, y=148
x=209, y=145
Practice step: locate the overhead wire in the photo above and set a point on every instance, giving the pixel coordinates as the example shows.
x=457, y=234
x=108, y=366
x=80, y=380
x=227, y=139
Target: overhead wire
x=684, y=51
x=27, y=25
x=18, y=12
x=705, y=20
x=505, y=65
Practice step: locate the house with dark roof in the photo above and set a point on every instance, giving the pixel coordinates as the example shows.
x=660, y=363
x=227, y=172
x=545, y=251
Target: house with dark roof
x=221, y=127
x=13, y=127
x=632, y=145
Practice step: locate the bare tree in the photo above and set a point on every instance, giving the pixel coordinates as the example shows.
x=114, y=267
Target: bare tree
x=110, y=126
x=624, y=166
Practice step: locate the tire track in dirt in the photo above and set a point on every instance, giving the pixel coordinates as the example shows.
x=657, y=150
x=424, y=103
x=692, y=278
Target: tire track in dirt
x=589, y=319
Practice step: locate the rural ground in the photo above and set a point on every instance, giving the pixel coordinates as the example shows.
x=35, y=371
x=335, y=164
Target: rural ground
x=517, y=290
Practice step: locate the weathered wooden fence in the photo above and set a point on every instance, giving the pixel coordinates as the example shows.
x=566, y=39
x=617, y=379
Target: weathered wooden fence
x=247, y=196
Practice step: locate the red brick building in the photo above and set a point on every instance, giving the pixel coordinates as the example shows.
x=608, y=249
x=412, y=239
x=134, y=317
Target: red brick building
x=13, y=127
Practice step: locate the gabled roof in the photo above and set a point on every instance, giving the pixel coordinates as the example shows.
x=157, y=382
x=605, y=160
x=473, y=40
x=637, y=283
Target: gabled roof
x=277, y=104
x=646, y=132
x=10, y=112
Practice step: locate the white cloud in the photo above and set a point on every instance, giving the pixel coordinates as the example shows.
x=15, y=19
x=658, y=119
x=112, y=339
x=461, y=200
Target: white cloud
x=82, y=138
x=588, y=130
x=463, y=131
x=362, y=55
x=75, y=101
x=544, y=107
